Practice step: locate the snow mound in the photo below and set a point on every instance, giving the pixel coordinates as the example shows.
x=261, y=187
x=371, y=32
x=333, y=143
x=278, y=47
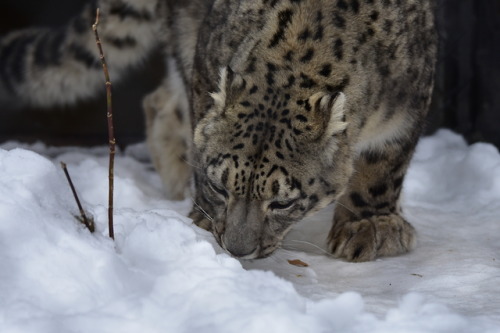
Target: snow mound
x=162, y=274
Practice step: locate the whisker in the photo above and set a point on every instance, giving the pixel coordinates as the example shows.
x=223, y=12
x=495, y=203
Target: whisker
x=189, y=163
x=283, y=256
x=341, y=204
x=202, y=210
x=290, y=248
x=323, y=251
x=275, y=258
x=289, y=254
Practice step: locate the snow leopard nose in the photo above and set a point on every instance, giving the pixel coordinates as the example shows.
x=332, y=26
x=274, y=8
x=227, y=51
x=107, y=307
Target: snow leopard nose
x=242, y=250
x=243, y=228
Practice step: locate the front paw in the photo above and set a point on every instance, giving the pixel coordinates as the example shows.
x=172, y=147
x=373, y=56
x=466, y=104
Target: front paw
x=373, y=237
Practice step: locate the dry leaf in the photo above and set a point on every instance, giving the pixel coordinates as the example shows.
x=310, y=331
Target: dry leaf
x=298, y=262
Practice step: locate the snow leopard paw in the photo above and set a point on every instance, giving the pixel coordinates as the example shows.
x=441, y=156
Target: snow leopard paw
x=372, y=237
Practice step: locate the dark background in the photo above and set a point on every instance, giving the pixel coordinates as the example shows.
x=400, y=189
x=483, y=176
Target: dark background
x=466, y=96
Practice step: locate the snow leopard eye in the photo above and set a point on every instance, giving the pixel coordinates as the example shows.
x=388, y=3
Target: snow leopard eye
x=218, y=190
x=282, y=205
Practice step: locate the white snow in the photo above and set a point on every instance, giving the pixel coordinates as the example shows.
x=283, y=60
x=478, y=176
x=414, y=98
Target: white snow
x=162, y=274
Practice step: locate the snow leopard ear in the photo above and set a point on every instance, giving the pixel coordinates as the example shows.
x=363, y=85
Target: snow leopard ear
x=332, y=108
x=329, y=110
x=231, y=85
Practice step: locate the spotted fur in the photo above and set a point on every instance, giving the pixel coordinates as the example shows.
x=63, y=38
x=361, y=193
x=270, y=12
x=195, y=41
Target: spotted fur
x=278, y=108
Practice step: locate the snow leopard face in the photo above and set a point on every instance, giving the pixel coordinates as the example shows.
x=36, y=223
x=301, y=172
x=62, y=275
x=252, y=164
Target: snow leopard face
x=264, y=162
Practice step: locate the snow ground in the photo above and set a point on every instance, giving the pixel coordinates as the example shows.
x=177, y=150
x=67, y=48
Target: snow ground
x=165, y=275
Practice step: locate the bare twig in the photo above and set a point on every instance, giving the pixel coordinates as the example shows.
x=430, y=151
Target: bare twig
x=88, y=222
x=111, y=132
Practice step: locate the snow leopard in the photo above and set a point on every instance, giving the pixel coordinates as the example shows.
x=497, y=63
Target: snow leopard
x=269, y=111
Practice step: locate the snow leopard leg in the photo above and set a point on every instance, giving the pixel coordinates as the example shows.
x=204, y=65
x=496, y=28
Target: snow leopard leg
x=367, y=219
x=168, y=132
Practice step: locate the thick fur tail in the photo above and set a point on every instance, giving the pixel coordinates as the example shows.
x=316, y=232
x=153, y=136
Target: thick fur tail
x=45, y=67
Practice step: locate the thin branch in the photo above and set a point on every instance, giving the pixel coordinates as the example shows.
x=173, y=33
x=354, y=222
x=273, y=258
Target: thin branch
x=111, y=132
x=88, y=222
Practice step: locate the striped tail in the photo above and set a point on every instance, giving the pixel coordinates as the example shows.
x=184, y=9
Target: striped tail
x=46, y=67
